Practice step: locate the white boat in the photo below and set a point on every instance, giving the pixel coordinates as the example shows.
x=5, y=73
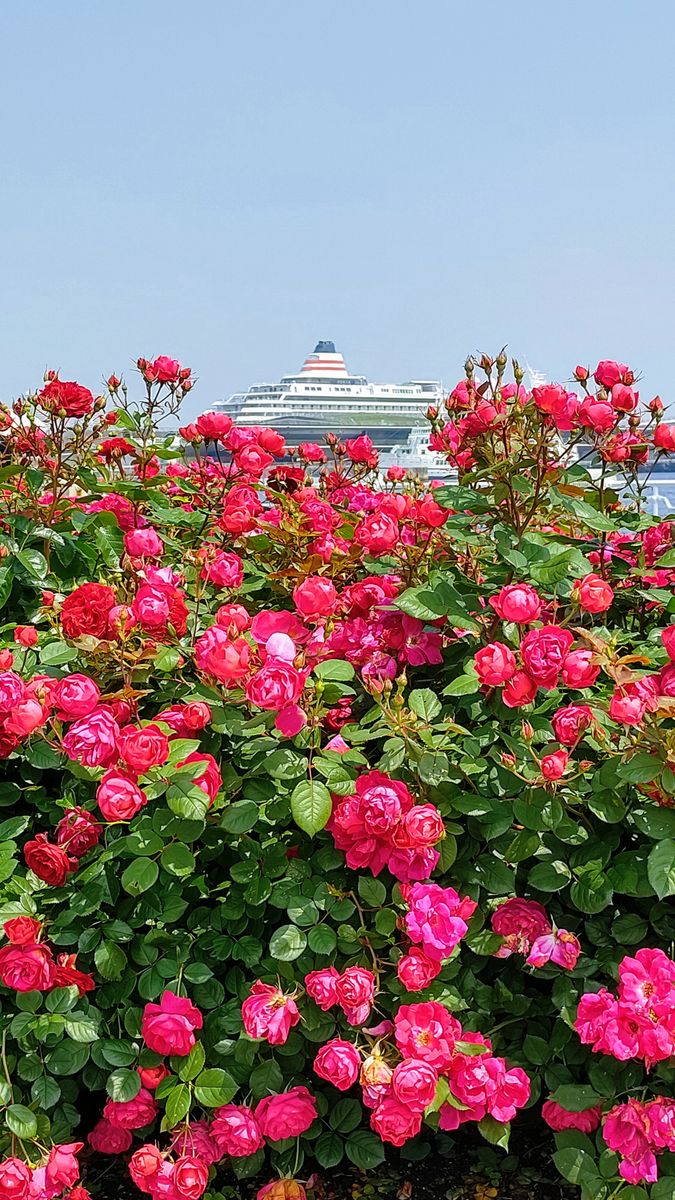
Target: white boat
x=324, y=397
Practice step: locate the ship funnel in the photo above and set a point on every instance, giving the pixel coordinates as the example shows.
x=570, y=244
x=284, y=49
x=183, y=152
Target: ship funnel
x=326, y=362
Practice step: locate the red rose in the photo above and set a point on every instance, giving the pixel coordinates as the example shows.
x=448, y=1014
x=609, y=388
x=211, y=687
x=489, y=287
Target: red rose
x=85, y=611
x=62, y=395
x=15, y=1177
x=22, y=931
x=109, y=1139
x=210, y=779
x=143, y=748
x=119, y=797
x=50, y=863
x=74, y=697
x=78, y=832
x=213, y=425
x=27, y=968
x=190, y=1177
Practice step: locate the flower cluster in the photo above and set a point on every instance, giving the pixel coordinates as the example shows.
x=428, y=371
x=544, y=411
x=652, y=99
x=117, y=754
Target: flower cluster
x=381, y=826
x=639, y=1022
x=525, y=927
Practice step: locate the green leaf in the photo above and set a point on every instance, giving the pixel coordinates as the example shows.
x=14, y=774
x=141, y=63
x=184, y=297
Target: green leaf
x=68, y=1057
x=82, y=1027
x=329, y=1149
x=240, y=817
x=140, y=875
x=178, y=860
x=35, y=562
x=661, y=868
x=424, y=703
x=495, y=1132
x=322, y=939
x=550, y=876
x=177, y=1105
x=123, y=1084
x=641, y=768
x=286, y=944
x=45, y=1092
x=464, y=685
x=56, y=654
x=345, y=1115
x=575, y=1165
x=215, y=1087
x=334, y=669
x=364, y=1149
x=110, y=960
x=311, y=806
x=190, y=1067
x=372, y=891
x=576, y=1097
x=21, y=1121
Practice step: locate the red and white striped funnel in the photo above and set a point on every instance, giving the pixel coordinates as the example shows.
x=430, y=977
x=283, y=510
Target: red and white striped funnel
x=325, y=361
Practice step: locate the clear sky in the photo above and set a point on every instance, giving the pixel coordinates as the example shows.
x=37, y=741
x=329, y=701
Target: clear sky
x=226, y=181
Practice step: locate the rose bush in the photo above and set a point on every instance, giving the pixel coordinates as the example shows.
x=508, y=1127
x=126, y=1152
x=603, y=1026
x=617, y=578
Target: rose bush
x=339, y=808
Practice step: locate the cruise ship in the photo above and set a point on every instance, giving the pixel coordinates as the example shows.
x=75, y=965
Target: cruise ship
x=324, y=397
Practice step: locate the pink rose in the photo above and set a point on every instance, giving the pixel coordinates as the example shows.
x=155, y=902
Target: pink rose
x=593, y=594
x=520, y=923
x=276, y=685
x=315, y=598
x=571, y=722
x=339, y=1062
x=543, y=652
x=109, y=1139
x=416, y=970
x=74, y=697
x=143, y=543
x=494, y=664
x=437, y=918
x=213, y=426
x=394, y=1122
x=607, y=373
x=414, y=1084
x=286, y=1115
x=235, y=1131
x=627, y=707
x=27, y=968
x=131, y=1114
x=268, y=1013
x=15, y=1177
x=553, y=766
x=597, y=414
x=558, y=1118
x=517, y=602
x=62, y=1169
x=168, y=1027
x=321, y=987
x=664, y=437
x=354, y=991
x=78, y=832
x=143, y=747
x=225, y=659
x=93, y=739
x=427, y=1031
x=520, y=690
x=224, y=570
x=12, y=691
x=190, y=1177
x=558, y=946
x=579, y=670
x=118, y=797
x=144, y=1165
x=421, y=826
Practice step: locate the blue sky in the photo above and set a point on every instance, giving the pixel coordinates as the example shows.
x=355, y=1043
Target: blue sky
x=228, y=182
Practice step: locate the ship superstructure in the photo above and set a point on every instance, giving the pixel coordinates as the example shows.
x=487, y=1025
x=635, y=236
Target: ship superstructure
x=324, y=397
